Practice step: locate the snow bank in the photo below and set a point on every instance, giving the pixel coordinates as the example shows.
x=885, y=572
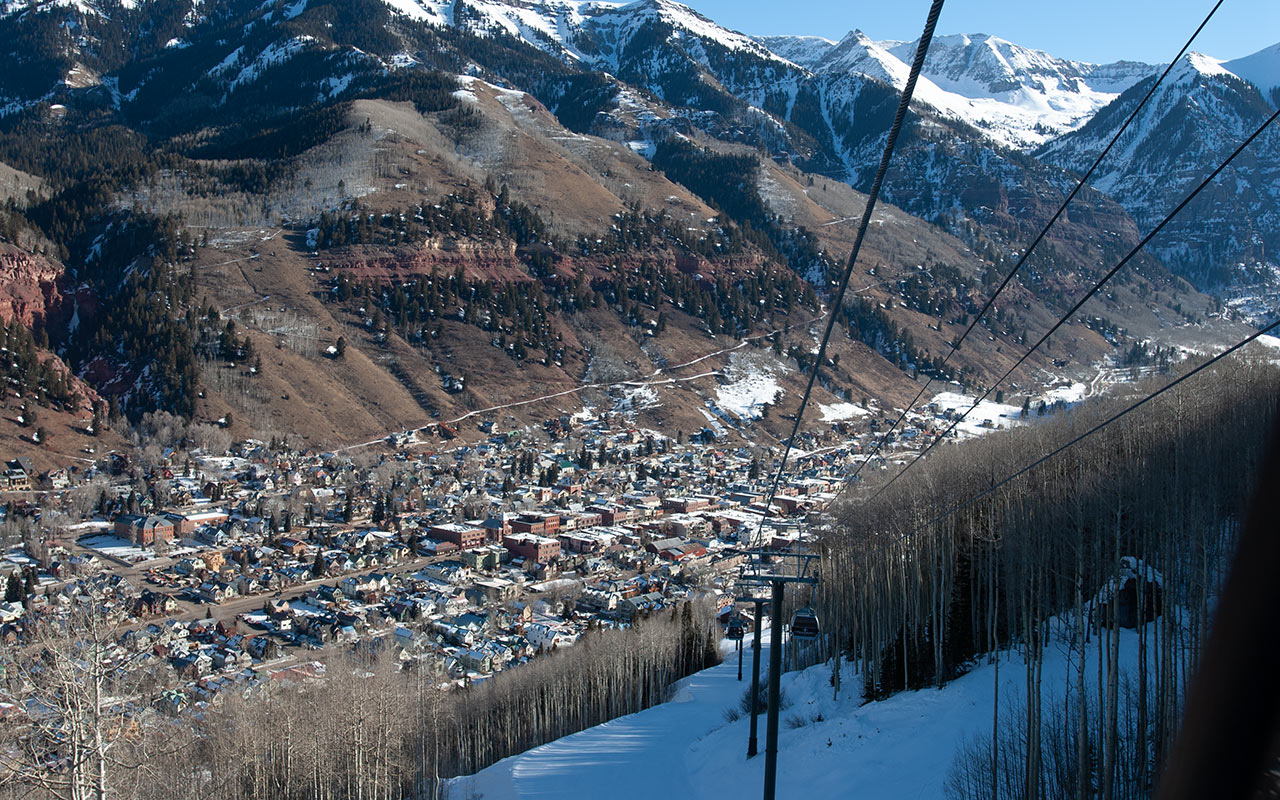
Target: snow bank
x=1074, y=393
x=986, y=417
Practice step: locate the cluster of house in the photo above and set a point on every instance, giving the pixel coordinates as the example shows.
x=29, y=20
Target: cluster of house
x=440, y=554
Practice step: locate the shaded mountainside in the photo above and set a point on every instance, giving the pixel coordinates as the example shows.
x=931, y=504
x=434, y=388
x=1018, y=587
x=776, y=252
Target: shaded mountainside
x=351, y=218
x=1194, y=121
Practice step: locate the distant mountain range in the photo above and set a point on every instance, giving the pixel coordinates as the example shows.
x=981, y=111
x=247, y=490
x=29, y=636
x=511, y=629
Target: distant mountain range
x=1017, y=96
x=819, y=102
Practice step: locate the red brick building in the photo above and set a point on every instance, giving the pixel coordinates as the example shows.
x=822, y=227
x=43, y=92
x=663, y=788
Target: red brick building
x=683, y=505
x=464, y=536
x=614, y=515
x=532, y=547
x=542, y=524
x=144, y=530
x=185, y=525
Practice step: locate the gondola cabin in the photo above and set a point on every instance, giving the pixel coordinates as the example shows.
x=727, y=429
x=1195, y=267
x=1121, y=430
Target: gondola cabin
x=735, y=630
x=804, y=624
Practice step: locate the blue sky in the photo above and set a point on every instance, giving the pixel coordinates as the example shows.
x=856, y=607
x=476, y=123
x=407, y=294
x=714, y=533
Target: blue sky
x=1086, y=30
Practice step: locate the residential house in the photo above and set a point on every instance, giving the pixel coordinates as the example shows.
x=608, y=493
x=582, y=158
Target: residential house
x=17, y=476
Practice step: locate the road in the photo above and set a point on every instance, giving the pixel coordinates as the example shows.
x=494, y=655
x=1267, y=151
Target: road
x=229, y=610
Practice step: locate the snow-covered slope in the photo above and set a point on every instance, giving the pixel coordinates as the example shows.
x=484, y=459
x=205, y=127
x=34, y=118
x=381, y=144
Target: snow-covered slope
x=981, y=65
x=1018, y=96
x=803, y=50
x=616, y=28
x=8, y=7
x=553, y=26
x=587, y=30
x=1262, y=69
x=896, y=748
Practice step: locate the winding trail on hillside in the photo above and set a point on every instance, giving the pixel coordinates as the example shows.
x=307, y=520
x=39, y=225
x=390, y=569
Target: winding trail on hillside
x=652, y=380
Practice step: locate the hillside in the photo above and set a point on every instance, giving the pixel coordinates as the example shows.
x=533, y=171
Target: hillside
x=403, y=377
x=909, y=745
x=1196, y=118
x=618, y=189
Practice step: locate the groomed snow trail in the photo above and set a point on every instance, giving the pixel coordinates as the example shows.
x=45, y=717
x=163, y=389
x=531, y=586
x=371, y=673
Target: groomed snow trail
x=640, y=755
x=900, y=748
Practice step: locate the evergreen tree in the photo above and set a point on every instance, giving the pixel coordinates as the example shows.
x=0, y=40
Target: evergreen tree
x=14, y=591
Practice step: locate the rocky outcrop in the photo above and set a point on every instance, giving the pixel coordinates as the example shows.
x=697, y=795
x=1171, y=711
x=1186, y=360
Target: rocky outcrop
x=30, y=289
x=33, y=291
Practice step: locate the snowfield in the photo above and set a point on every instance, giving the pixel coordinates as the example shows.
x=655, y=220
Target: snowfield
x=752, y=383
x=829, y=746
x=838, y=411
x=986, y=417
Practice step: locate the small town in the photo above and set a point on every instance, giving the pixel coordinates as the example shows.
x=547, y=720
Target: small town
x=222, y=570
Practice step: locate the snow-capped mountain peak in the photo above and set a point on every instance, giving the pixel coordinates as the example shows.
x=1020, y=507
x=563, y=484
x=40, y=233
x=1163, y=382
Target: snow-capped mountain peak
x=857, y=52
x=1018, y=96
x=978, y=65
x=804, y=51
x=1195, y=64
x=981, y=65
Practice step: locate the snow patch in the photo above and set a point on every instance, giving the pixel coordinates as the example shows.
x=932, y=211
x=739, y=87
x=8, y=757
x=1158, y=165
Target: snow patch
x=637, y=399
x=274, y=54
x=838, y=411
x=752, y=384
x=988, y=416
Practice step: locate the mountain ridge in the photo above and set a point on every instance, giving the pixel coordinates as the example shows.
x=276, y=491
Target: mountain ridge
x=579, y=151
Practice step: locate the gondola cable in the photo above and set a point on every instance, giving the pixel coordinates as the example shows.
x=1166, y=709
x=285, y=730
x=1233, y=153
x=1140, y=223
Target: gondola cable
x=1026, y=254
x=1079, y=303
x=917, y=65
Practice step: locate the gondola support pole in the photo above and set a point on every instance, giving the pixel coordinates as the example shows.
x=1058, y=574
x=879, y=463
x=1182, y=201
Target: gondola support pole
x=755, y=676
x=775, y=676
